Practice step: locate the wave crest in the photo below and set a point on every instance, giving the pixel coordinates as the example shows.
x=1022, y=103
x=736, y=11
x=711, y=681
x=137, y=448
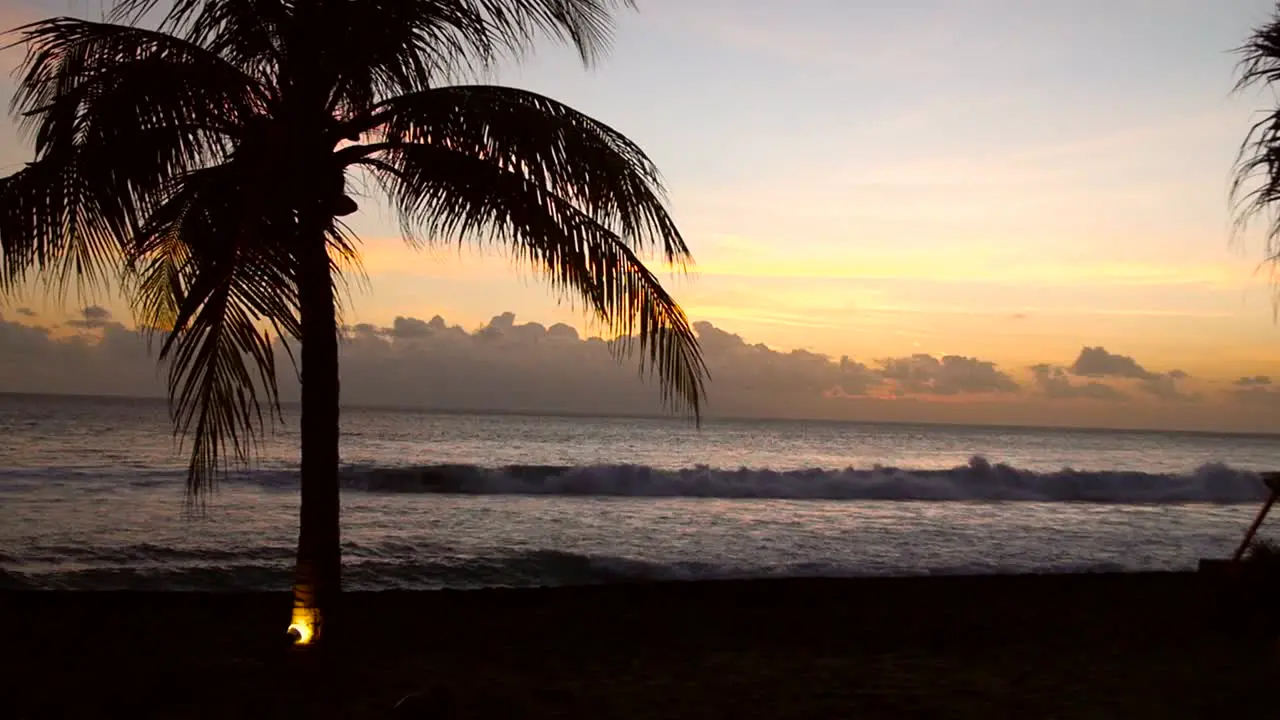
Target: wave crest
x=978, y=480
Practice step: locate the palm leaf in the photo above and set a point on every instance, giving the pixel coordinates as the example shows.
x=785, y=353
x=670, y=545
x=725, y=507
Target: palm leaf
x=391, y=47
x=248, y=34
x=1255, y=186
x=116, y=111
x=213, y=265
x=484, y=29
x=586, y=24
x=575, y=156
x=55, y=219
x=69, y=57
x=565, y=193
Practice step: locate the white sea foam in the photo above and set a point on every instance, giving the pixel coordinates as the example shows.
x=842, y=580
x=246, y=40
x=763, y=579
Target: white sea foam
x=978, y=480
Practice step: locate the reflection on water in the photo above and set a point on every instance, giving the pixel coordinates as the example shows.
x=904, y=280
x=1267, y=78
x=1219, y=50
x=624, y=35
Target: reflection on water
x=135, y=537
x=90, y=496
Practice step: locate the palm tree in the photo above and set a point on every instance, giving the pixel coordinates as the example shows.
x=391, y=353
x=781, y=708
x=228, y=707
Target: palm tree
x=203, y=163
x=1255, y=187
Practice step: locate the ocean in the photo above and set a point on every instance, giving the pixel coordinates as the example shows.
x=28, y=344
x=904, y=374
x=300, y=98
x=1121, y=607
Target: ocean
x=91, y=497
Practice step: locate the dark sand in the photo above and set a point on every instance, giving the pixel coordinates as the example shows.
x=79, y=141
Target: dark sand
x=1100, y=646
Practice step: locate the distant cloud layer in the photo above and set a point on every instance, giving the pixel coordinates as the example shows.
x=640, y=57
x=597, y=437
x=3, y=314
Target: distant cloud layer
x=92, y=318
x=1056, y=382
x=1257, y=391
x=506, y=365
x=1097, y=362
x=952, y=375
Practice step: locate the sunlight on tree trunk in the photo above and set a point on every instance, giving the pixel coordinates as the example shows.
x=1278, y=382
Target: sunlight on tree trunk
x=318, y=579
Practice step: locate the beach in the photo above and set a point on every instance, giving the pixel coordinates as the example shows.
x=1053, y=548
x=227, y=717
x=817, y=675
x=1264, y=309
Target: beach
x=1160, y=645
x=504, y=566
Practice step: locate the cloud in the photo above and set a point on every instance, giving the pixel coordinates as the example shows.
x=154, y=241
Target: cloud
x=410, y=328
x=952, y=375
x=1054, y=381
x=1257, y=397
x=508, y=365
x=1257, y=391
x=759, y=371
x=1097, y=362
x=26, y=312
x=363, y=329
x=93, y=317
x=1165, y=387
x=111, y=361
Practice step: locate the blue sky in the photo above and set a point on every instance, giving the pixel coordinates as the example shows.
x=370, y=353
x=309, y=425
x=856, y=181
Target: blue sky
x=1003, y=179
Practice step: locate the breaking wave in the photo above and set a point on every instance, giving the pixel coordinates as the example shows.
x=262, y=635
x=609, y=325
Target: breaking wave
x=978, y=480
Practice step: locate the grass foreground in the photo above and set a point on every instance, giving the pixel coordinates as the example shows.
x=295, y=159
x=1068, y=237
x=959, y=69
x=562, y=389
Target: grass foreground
x=1073, y=646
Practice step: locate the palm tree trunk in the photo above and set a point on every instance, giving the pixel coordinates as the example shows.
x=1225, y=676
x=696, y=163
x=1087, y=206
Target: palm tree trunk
x=319, y=571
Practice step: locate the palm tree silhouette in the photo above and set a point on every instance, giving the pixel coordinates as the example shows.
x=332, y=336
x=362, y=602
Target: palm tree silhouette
x=203, y=162
x=1255, y=187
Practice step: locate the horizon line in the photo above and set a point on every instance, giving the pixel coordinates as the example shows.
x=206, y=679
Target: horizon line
x=565, y=414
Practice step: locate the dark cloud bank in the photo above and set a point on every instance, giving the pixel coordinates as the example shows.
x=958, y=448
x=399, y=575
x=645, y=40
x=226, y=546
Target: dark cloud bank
x=507, y=365
x=1095, y=364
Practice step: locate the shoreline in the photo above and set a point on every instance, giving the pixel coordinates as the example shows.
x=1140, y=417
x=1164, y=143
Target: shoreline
x=9, y=588
x=1169, y=644
x=749, y=584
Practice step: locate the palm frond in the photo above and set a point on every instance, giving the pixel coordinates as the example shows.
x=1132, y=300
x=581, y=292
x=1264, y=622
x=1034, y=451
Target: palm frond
x=345, y=266
x=116, y=111
x=212, y=267
x=1255, y=185
x=248, y=34
x=1260, y=56
x=390, y=47
x=360, y=52
x=55, y=219
x=71, y=63
x=585, y=24
x=578, y=158
x=451, y=195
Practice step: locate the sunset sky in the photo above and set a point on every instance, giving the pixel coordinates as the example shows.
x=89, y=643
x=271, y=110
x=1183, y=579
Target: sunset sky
x=1004, y=180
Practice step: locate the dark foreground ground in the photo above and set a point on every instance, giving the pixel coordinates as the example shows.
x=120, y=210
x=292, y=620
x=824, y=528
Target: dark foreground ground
x=1101, y=646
